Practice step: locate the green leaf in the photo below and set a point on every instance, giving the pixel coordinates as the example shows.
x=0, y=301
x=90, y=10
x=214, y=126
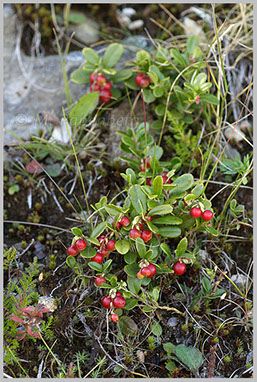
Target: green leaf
x=210, y=98
x=178, y=57
x=134, y=284
x=207, y=287
x=71, y=261
x=88, y=253
x=148, y=95
x=130, y=257
x=138, y=199
x=14, y=188
x=181, y=247
x=158, y=92
x=112, y=55
x=192, y=42
x=169, y=348
x=93, y=241
x=142, y=55
x=130, y=303
x=107, y=264
x=122, y=246
x=158, y=185
x=156, y=329
x=161, y=210
x=122, y=75
x=170, y=231
x=189, y=356
x=54, y=170
x=94, y=265
x=140, y=244
x=91, y=56
x=132, y=269
x=80, y=76
x=83, y=108
x=166, y=249
x=98, y=229
x=155, y=151
x=170, y=220
x=212, y=231
x=183, y=182
x=76, y=231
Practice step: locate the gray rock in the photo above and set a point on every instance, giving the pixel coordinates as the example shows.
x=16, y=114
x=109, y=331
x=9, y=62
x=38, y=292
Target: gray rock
x=34, y=85
x=172, y=322
x=87, y=32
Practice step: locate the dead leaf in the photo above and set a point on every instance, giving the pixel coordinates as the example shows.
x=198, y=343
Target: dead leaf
x=34, y=168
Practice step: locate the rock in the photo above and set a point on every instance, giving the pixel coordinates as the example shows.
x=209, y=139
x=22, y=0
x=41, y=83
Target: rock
x=193, y=29
x=237, y=135
x=120, y=119
x=32, y=85
x=240, y=280
x=87, y=33
x=136, y=24
x=172, y=322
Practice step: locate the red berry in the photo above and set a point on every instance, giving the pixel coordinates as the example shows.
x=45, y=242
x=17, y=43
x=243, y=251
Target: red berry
x=146, y=271
x=98, y=258
x=111, y=245
x=146, y=235
x=179, y=268
x=149, y=181
x=105, y=95
x=152, y=269
x=119, y=302
x=139, y=275
x=80, y=244
x=148, y=162
x=138, y=78
x=207, y=215
x=99, y=280
x=118, y=294
x=118, y=225
x=141, y=226
x=149, y=218
x=144, y=82
x=125, y=222
x=107, y=85
x=92, y=78
x=95, y=87
x=142, y=167
x=100, y=80
x=72, y=251
x=106, y=302
x=104, y=252
x=101, y=238
x=134, y=233
x=115, y=317
x=196, y=212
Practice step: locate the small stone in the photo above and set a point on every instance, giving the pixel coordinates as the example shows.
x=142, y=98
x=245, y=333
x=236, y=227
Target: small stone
x=136, y=24
x=88, y=32
x=239, y=280
x=172, y=322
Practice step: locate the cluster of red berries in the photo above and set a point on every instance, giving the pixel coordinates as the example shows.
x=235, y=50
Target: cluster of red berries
x=99, y=83
x=117, y=302
x=149, y=180
x=104, y=248
x=143, y=80
x=197, y=213
x=79, y=246
x=147, y=271
x=146, y=235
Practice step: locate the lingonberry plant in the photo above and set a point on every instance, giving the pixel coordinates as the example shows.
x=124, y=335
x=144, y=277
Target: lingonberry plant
x=142, y=232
